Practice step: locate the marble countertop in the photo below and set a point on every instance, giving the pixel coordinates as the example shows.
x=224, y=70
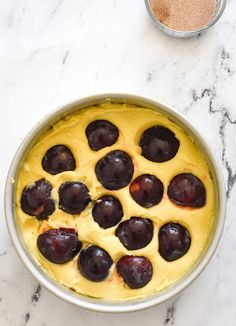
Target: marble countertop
x=57, y=50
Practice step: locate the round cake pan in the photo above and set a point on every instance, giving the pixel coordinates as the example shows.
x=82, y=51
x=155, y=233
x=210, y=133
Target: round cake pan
x=63, y=292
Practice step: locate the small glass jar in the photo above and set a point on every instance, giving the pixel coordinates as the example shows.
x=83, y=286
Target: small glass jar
x=220, y=7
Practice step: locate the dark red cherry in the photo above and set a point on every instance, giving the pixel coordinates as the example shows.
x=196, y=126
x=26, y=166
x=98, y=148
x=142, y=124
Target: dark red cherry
x=187, y=190
x=147, y=190
x=107, y=211
x=58, y=159
x=101, y=133
x=135, y=233
x=73, y=197
x=174, y=241
x=94, y=263
x=36, y=199
x=59, y=245
x=135, y=270
x=115, y=170
x=159, y=144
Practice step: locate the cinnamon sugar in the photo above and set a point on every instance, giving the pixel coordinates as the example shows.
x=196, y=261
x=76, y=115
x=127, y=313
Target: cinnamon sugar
x=184, y=15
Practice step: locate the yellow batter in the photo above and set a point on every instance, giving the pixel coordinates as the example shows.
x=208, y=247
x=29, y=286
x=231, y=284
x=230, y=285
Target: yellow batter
x=132, y=122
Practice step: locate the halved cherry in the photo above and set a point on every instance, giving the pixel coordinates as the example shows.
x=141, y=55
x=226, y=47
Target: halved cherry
x=136, y=271
x=174, y=241
x=73, y=197
x=159, y=144
x=147, y=190
x=57, y=159
x=135, y=233
x=186, y=189
x=101, y=133
x=59, y=245
x=107, y=211
x=36, y=199
x=115, y=170
x=94, y=263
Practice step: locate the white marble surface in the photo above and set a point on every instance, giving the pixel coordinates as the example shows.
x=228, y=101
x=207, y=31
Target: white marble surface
x=57, y=50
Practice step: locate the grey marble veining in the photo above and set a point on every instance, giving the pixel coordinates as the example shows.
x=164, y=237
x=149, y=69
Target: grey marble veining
x=57, y=50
